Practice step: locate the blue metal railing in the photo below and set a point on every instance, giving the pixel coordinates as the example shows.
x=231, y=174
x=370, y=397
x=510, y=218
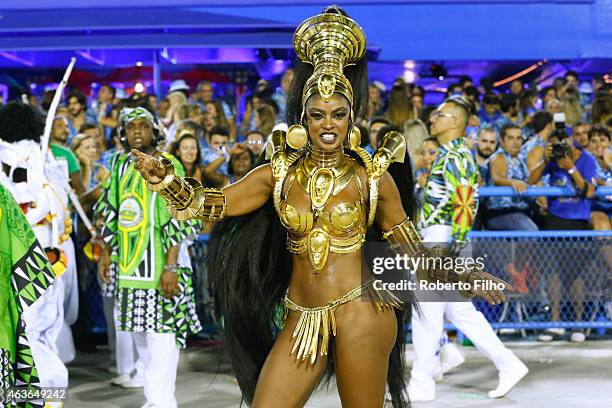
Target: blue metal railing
x=490, y=191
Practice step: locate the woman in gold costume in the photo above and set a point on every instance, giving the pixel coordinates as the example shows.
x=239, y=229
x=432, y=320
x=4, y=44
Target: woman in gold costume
x=291, y=232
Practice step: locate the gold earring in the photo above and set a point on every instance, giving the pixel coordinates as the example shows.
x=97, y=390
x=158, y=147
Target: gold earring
x=354, y=138
x=297, y=137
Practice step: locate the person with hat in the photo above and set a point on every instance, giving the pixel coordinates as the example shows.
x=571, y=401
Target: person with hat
x=153, y=288
x=179, y=85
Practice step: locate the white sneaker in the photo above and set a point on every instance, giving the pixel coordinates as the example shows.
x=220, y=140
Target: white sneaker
x=420, y=394
x=438, y=375
x=450, y=357
x=132, y=383
x=120, y=379
x=551, y=334
x=508, y=379
x=577, y=337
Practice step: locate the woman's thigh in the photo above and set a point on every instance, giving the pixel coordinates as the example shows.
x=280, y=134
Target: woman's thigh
x=285, y=382
x=364, y=341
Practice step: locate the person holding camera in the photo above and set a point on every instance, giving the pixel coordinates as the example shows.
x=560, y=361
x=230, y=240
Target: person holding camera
x=567, y=164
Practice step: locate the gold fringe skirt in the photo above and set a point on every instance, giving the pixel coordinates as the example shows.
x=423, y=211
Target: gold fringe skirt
x=320, y=322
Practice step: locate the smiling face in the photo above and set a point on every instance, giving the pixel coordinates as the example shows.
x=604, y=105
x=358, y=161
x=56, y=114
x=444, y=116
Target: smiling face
x=327, y=122
x=581, y=135
x=206, y=93
x=87, y=151
x=188, y=150
x=139, y=133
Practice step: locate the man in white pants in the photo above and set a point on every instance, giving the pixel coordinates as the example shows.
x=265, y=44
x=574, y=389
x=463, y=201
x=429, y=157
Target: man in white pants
x=154, y=295
x=450, y=203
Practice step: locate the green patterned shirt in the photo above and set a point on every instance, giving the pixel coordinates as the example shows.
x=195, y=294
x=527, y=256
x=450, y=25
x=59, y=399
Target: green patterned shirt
x=140, y=231
x=451, y=192
x=25, y=274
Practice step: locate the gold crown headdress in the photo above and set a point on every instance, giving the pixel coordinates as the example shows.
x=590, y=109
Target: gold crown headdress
x=329, y=42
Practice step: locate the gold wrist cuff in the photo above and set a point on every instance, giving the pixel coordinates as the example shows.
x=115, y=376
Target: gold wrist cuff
x=207, y=204
x=404, y=238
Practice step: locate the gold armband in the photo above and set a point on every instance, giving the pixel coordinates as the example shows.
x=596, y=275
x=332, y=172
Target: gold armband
x=405, y=240
x=186, y=197
x=207, y=204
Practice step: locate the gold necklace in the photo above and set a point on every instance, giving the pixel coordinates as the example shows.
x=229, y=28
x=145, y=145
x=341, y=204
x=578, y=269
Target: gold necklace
x=324, y=173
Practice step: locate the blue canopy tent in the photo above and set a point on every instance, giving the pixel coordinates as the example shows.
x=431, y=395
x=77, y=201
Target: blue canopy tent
x=404, y=36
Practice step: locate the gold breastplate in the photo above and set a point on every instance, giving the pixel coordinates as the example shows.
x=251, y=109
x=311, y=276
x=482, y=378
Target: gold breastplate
x=323, y=174
x=342, y=227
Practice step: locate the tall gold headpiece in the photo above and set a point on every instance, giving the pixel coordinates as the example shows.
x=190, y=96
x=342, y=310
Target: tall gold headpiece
x=330, y=42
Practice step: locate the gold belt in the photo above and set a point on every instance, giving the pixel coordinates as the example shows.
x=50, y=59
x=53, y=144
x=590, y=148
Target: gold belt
x=321, y=321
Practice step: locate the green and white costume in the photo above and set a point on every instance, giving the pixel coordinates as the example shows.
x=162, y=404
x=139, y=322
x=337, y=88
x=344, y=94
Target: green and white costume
x=140, y=231
x=25, y=274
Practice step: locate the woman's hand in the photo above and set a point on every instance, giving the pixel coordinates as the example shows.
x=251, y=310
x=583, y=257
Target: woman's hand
x=151, y=169
x=238, y=148
x=493, y=296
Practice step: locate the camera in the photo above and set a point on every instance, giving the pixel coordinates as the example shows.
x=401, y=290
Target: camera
x=560, y=149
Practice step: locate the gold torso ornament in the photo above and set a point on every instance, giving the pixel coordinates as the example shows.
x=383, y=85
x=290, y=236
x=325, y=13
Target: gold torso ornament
x=338, y=228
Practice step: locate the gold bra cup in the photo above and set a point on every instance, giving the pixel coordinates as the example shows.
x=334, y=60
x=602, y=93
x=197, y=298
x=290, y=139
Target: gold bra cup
x=295, y=221
x=343, y=218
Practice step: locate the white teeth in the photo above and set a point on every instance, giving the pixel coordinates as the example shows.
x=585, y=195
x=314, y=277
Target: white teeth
x=328, y=137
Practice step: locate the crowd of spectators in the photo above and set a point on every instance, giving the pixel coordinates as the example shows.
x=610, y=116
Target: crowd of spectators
x=520, y=137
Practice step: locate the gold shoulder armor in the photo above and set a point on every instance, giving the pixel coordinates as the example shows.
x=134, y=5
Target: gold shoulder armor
x=275, y=152
x=392, y=149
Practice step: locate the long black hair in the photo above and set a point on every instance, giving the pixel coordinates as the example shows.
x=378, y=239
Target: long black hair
x=250, y=267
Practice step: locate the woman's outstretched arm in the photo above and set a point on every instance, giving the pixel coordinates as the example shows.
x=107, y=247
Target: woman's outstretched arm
x=188, y=199
x=404, y=238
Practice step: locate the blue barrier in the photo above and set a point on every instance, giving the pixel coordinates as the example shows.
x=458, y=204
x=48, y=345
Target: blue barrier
x=539, y=234
x=497, y=191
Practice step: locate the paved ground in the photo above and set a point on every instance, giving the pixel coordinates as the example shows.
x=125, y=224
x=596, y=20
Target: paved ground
x=561, y=375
